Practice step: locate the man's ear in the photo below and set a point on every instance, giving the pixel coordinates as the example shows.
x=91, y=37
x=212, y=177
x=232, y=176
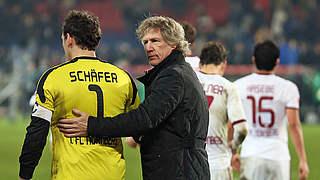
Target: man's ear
x=277, y=62
x=224, y=65
x=174, y=46
x=69, y=40
x=200, y=65
x=253, y=59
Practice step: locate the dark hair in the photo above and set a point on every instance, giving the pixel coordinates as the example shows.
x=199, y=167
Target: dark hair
x=266, y=55
x=213, y=53
x=84, y=28
x=190, y=31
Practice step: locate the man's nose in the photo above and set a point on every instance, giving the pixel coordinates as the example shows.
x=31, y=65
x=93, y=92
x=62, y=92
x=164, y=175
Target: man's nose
x=148, y=46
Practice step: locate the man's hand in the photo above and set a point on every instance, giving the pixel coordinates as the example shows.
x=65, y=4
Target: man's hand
x=131, y=142
x=235, y=159
x=303, y=170
x=235, y=162
x=76, y=126
x=20, y=178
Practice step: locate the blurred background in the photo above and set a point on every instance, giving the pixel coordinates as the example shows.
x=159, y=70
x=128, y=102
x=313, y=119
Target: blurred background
x=30, y=39
x=31, y=29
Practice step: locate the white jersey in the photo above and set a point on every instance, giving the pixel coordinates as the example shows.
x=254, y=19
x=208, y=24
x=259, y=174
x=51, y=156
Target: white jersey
x=265, y=99
x=224, y=104
x=193, y=61
x=256, y=169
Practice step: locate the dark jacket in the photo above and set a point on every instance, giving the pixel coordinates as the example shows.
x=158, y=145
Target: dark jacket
x=173, y=121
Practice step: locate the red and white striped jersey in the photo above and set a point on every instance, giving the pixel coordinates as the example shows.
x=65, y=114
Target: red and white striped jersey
x=193, y=61
x=265, y=99
x=224, y=104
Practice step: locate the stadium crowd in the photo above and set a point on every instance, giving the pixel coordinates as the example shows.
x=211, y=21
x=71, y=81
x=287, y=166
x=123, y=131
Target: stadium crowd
x=30, y=40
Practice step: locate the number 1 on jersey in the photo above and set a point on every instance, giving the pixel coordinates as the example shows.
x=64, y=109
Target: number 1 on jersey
x=100, y=107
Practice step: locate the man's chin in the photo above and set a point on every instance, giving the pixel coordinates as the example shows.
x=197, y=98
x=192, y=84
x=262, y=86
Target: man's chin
x=154, y=62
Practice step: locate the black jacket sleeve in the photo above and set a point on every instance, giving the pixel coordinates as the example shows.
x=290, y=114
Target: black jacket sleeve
x=166, y=94
x=33, y=145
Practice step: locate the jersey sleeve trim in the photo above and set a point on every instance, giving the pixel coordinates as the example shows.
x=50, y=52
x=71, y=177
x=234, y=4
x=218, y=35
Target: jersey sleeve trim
x=239, y=121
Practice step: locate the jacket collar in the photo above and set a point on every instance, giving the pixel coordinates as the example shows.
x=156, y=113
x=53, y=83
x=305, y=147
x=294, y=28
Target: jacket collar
x=175, y=57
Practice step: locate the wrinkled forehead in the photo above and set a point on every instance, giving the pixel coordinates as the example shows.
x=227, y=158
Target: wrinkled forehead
x=152, y=33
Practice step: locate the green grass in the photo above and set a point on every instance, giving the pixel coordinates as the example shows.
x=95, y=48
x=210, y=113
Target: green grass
x=311, y=135
x=12, y=135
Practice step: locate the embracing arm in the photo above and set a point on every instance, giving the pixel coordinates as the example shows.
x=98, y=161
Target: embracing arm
x=166, y=94
x=296, y=135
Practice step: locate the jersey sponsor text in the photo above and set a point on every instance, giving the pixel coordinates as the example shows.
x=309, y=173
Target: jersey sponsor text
x=107, y=141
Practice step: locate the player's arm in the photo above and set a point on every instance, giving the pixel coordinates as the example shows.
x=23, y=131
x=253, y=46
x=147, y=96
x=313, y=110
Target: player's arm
x=238, y=126
x=133, y=103
x=237, y=117
x=235, y=160
x=230, y=132
x=296, y=135
x=239, y=133
x=35, y=141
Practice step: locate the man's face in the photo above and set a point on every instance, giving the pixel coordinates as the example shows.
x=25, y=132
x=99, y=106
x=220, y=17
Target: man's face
x=155, y=46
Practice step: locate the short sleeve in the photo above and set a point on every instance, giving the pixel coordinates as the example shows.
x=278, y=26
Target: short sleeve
x=133, y=100
x=293, y=96
x=234, y=104
x=45, y=92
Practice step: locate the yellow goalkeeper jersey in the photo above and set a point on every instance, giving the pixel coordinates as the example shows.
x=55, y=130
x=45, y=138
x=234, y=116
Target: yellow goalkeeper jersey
x=99, y=89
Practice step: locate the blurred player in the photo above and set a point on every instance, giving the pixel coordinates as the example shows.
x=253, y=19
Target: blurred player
x=87, y=83
x=224, y=105
x=190, y=34
x=270, y=102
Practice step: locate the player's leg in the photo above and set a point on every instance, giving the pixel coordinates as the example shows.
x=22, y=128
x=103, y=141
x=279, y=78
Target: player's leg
x=246, y=170
x=281, y=169
x=253, y=169
x=256, y=169
x=221, y=174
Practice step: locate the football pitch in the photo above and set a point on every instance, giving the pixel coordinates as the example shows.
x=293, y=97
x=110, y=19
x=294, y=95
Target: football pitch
x=12, y=135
